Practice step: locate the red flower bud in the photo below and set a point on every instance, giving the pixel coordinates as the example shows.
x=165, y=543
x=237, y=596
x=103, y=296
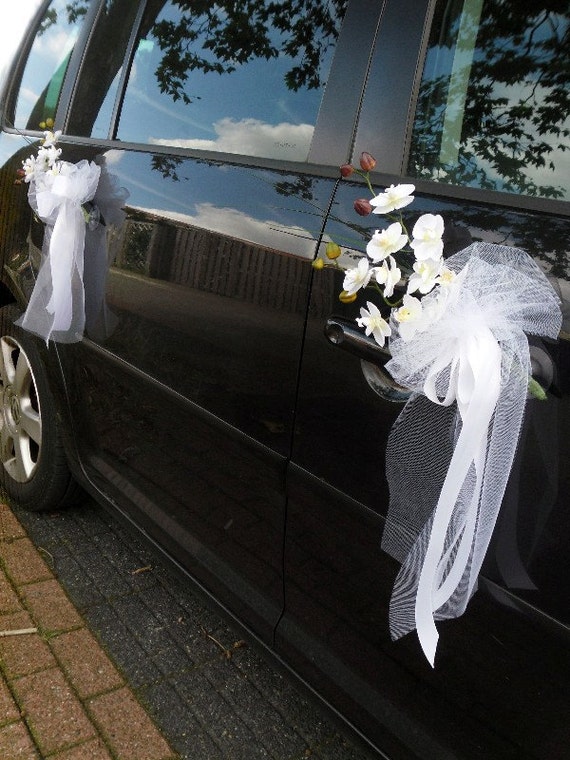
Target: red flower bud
x=362, y=206
x=367, y=162
x=346, y=170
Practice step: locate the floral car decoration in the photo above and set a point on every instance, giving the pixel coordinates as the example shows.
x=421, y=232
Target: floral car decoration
x=457, y=333
x=80, y=205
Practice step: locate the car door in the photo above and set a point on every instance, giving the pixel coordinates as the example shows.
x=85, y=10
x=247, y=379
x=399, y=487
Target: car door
x=183, y=390
x=499, y=687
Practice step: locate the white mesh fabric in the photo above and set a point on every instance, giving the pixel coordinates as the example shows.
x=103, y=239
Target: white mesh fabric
x=69, y=293
x=449, y=458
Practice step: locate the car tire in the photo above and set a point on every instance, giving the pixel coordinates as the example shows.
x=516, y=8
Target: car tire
x=34, y=473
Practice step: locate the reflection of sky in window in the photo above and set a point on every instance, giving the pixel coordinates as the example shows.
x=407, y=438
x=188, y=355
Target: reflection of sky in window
x=48, y=53
x=249, y=111
x=439, y=65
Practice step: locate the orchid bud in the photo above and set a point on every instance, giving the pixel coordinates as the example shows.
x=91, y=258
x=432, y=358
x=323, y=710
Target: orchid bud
x=332, y=250
x=318, y=263
x=346, y=170
x=345, y=297
x=362, y=206
x=367, y=162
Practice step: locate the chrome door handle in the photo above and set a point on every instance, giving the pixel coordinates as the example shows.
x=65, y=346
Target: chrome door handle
x=342, y=333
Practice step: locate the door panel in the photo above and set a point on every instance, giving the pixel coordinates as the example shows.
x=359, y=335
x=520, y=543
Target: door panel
x=190, y=397
x=487, y=696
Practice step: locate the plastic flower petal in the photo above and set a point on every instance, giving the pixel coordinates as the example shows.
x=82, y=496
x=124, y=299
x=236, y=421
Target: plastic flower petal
x=388, y=275
x=357, y=278
x=30, y=168
x=427, y=232
x=393, y=198
x=410, y=317
x=374, y=323
x=426, y=275
x=446, y=277
x=50, y=138
x=386, y=242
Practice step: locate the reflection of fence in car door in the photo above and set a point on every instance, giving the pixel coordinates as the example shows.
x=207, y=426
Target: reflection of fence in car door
x=209, y=261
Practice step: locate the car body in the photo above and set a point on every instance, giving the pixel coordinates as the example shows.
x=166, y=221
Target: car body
x=212, y=412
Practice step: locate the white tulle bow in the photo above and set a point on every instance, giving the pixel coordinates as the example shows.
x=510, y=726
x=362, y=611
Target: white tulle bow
x=451, y=450
x=57, y=305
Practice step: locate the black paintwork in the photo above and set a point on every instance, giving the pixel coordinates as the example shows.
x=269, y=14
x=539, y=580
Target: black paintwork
x=220, y=420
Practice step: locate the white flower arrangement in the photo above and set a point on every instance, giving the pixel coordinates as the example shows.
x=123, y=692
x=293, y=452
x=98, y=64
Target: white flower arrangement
x=457, y=331
x=80, y=204
x=381, y=271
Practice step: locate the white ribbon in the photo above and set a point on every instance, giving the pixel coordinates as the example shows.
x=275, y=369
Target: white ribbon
x=57, y=305
x=451, y=450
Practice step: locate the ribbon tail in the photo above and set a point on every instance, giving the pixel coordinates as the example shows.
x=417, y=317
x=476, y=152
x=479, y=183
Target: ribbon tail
x=440, y=558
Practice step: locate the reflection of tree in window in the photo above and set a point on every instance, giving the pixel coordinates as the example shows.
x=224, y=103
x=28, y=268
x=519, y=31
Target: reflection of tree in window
x=494, y=100
x=210, y=38
x=219, y=37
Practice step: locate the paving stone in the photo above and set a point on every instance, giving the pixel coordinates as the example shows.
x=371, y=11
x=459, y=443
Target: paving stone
x=91, y=750
x=264, y=720
x=10, y=526
x=24, y=654
x=123, y=647
x=77, y=583
x=16, y=743
x=87, y=667
x=23, y=563
x=197, y=745
x=53, y=713
x=127, y=728
x=108, y=581
x=9, y=601
x=50, y=606
x=9, y=712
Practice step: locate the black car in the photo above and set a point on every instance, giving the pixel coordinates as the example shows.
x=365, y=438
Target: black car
x=221, y=398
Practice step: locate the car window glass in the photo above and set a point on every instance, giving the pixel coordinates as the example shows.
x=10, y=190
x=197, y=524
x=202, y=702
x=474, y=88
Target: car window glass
x=45, y=69
x=233, y=77
x=98, y=83
x=494, y=100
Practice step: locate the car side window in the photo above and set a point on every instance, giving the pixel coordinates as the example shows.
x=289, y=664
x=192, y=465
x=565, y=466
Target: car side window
x=494, y=99
x=42, y=80
x=230, y=77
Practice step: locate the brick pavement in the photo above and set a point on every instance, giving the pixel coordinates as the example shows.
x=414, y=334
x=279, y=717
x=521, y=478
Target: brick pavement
x=127, y=662
x=61, y=697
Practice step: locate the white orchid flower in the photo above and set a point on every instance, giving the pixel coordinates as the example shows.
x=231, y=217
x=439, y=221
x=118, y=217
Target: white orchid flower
x=427, y=233
x=357, y=277
x=388, y=275
x=392, y=199
x=386, y=242
x=410, y=317
x=374, y=323
x=426, y=275
x=50, y=137
x=30, y=168
x=48, y=157
x=446, y=277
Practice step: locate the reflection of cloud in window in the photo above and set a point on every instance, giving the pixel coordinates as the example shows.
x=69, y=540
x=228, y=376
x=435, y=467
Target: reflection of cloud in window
x=56, y=46
x=252, y=137
x=240, y=226
x=29, y=96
